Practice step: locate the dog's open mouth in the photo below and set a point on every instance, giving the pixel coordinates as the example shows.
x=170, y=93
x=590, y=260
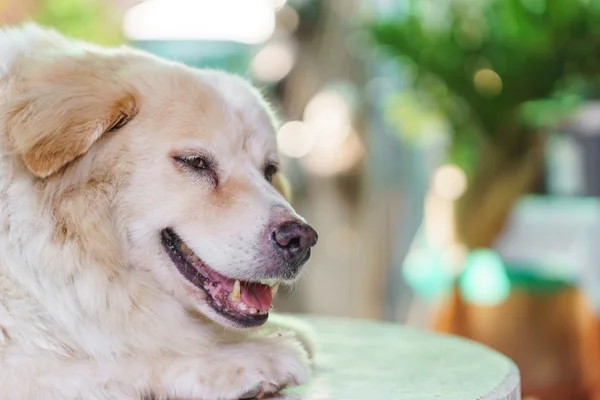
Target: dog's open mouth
x=245, y=303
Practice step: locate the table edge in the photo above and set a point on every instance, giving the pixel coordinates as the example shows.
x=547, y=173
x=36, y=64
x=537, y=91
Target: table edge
x=508, y=389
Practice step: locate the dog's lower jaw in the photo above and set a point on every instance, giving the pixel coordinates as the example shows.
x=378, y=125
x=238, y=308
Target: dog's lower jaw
x=260, y=365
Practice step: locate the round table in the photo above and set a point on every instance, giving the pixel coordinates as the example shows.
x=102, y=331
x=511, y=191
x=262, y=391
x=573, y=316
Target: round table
x=361, y=360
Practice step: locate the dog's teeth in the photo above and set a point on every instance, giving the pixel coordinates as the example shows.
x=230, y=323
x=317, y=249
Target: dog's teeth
x=185, y=249
x=242, y=306
x=253, y=311
x=235, y=293
x=274, y=289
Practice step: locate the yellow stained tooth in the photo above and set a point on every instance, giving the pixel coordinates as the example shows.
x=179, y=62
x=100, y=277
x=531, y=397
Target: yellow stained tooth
x=274, y=289
x=235, y=293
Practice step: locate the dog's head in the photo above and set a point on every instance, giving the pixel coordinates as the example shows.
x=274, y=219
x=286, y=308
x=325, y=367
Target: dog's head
x=188, y=168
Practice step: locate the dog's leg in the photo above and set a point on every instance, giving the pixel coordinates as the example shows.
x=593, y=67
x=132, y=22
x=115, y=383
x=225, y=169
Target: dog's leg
x=233, y=371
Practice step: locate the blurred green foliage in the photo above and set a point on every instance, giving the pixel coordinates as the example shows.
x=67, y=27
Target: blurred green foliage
x=90, y=20
x=496, y=69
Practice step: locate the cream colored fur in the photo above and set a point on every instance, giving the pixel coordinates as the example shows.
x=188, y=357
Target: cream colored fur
x=90, y=306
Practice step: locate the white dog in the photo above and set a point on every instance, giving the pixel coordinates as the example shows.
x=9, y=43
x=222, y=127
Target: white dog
x=138, y=219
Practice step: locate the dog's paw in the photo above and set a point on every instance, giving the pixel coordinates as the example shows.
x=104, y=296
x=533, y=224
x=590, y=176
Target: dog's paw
x=275, y=362
x=301, y=330
x=255, y=368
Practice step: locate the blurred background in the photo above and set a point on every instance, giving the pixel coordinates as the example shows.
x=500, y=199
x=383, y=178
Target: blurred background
x=447, y=151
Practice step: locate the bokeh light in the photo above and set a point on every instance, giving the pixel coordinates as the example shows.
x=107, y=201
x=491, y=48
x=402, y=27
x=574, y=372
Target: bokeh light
x=484, y=279
x=325, y=161
x=288, y=19
x=295, y=139
x=449, y=182
x=487, y=83
x=243, y=21
x=277, y=4
x=273, y=62
x=327, y=113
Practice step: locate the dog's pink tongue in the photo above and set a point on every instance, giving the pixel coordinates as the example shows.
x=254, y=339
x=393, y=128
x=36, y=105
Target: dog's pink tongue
x=256, y=295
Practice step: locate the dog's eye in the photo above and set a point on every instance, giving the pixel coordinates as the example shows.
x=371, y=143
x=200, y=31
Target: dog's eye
x=193, y=161
x=204, y=166
x=270, y=170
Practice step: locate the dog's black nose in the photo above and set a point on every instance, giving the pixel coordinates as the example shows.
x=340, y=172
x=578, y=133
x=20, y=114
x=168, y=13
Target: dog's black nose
x=294, y=239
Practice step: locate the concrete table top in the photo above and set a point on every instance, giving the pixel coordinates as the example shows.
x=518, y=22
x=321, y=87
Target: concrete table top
x=361, y=360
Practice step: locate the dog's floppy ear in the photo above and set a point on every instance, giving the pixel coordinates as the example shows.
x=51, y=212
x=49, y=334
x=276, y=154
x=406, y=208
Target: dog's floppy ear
x=282, y=185
x=59, y=105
